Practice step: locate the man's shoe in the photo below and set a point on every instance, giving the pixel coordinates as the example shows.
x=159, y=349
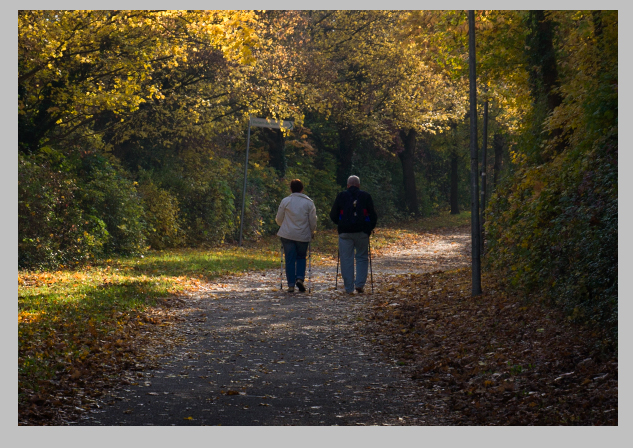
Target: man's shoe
x=360, y=290
x=300, y=285
x=291, y=289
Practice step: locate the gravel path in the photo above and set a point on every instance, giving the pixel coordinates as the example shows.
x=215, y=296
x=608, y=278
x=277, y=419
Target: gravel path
x=255, y=355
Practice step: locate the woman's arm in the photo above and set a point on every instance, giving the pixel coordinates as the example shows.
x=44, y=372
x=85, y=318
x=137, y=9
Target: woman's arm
x=312, y=218
x=281, y=212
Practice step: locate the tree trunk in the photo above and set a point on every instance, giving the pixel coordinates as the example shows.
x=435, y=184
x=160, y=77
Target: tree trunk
x=408, y=175
x=497, y=144
x=454, y=182
x=544, y=72
x=345, y=154
x=474, y=172
x=484, y=164
x=276, y=149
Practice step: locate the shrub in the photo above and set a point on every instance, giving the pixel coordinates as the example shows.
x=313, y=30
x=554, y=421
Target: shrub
x=109, y=196
x=53, y=229
x=200, y=185
x=161, y=215
x=554, y=229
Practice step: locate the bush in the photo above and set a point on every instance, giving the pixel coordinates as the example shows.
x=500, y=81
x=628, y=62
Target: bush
x=555, y=230
x=200, y=186
x=109, y=196
x=53, y=229
x=161, y=215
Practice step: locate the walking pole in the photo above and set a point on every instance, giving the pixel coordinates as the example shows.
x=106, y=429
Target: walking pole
x=309, y=268
x=371, y=271
x=281, y=268
x=337, y=261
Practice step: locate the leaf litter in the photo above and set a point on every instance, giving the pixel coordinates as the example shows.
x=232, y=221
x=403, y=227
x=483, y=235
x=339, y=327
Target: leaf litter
x=496, y=359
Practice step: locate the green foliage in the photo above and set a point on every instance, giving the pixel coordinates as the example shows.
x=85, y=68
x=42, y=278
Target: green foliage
x=382, y=178
x=202, y=186
x=263, y=193
x=74, y=209
x=53, y=229
x=556, y=230
x=553, y=225
x=161, y=215
x=110, y=196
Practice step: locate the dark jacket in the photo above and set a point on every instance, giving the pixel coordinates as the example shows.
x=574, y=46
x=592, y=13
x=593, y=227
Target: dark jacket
x=362, y=226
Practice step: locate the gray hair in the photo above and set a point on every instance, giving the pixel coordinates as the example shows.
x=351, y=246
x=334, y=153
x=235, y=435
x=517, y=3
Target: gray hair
x=353, y=181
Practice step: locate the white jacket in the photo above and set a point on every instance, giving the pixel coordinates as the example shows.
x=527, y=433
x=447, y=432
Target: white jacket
x=296, y=217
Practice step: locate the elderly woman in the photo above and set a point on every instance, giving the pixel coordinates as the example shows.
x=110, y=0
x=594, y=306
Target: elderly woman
x=297, y=220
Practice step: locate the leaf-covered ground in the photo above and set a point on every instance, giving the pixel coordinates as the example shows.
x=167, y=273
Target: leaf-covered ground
x=496, y=359
x=420, y=350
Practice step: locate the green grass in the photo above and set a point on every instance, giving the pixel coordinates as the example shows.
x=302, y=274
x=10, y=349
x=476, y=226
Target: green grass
x=206, y=264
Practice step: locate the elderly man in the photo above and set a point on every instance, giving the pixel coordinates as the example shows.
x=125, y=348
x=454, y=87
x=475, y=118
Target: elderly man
x=354, y=214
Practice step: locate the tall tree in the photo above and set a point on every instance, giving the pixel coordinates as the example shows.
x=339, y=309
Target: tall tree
x=454, y=194
x=474, y=172
x=407, y=157
x=543, y=71
x=498, y=143
x=484, y=163
x=383, y=89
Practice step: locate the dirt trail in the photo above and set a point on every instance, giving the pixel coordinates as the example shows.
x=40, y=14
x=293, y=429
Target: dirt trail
x=255, y=355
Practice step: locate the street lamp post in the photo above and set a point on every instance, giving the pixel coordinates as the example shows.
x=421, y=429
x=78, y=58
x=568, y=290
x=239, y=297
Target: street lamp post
x=258, y=123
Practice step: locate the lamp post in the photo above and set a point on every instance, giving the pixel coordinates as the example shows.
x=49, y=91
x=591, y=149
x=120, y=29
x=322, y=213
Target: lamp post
x=257, y=123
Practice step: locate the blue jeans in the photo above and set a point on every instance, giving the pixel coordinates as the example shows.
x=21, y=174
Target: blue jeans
x=295, y=253
x=347, y=244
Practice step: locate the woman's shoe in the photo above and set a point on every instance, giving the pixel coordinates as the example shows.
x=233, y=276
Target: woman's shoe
x=291, y=289
x=300, y=285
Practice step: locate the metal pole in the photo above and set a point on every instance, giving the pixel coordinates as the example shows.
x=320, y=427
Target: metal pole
x=474, y=172
x=248, y=142
x=281, y=267
x=338, y=258
x=309, y=268
x=371, y=270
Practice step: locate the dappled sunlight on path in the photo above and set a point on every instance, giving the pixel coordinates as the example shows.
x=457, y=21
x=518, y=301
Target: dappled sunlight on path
x=256, y=355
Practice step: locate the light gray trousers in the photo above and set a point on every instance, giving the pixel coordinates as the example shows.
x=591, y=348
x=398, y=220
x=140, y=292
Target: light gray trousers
x=354, y=246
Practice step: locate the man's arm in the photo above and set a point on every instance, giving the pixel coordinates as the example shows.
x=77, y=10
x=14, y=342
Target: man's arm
x=335, y=210
x=373, y=217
